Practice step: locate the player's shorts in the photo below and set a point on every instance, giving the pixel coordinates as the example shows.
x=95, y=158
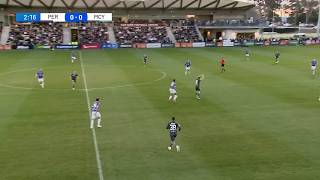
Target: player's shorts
x=95, y=115
x=313, y=68
x=222, y=65
x=73, y=58
x=173, y=136
x=247, y=55
x=40, y=80
x=172, y=91
x=74, y=80
x=197, y=88
x=188, y=68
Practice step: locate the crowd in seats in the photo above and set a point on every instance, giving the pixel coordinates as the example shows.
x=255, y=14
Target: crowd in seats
x=93, y=32
x=36, y=34
x=186, y=34
x=154, y=33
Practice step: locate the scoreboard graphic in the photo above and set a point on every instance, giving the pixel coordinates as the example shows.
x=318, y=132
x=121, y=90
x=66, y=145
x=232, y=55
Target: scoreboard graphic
x=63, y=17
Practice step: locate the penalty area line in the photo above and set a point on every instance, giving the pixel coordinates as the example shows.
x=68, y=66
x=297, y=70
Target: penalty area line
x=94, y=136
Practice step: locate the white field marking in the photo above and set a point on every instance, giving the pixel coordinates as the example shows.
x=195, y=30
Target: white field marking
x=94, y=136
x=164, y=75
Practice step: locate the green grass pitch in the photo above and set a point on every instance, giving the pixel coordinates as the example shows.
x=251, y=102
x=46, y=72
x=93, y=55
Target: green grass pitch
x=256, y=121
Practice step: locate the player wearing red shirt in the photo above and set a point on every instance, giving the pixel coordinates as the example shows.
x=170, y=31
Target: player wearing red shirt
x=222, y=63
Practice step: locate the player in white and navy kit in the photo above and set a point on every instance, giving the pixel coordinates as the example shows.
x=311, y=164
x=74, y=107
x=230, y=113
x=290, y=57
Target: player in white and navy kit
x=95, y=114
x=314, y=64
x=40, y=77
x=187, y=67
x=73, y=56
x=173, y=91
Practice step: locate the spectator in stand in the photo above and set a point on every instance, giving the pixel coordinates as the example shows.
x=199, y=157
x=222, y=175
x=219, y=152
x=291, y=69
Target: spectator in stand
x=93, y=32
x=186, y=34
x=36, y=34
x=141, y=31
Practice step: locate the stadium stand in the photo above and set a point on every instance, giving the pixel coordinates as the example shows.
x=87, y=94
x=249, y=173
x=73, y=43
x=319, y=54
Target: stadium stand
x=140, y=31
x=186, y=34
x=93, y=32
x=36, y=34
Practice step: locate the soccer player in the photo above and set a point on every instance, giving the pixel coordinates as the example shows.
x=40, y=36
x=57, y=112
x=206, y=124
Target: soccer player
x=187, y=67
x=95, y=114
x=314, y=64
x=198, y=82
x=145, y=60
x=277, y=56
x=73, y=56
x=173, y=91
x=74, y=76
x=247, y=54
x=40, y=77
x=173, y=128
x=222, y=63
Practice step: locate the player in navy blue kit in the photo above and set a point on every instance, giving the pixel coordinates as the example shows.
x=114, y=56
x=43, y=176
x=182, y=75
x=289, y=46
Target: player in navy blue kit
x=173, y=91
x=187, y=67
x=40, y=77
x=74, y=76
x=173, y=128
x=314, y=64
x=277, y=56
x=145, y=59
x=73, y=56
x=95, y=114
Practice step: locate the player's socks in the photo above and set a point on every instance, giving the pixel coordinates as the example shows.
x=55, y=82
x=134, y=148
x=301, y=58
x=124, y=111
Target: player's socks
x=175, y=97
x=178, y=148
x=170, y=97
x=99, y=123
x=91, y=123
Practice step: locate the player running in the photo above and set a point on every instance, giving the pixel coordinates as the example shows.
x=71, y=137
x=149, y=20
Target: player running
x=222, y=63
x=74, y=76
x=40, y=77
x=314, y=64
x=95, y=114
x=173, y=91
x=187, y=67
x=73, y=56
x=277, y=56
x=145, y=60
x=247, y=54
x=173, y=127
x=198, y=82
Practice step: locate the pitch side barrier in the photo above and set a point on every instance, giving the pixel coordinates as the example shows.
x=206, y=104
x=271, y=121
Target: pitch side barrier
x=223, y=43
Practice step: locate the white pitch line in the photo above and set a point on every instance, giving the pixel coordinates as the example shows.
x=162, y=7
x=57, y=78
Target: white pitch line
x=94, y=136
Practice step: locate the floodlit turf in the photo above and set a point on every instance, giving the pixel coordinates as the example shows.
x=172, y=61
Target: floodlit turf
x=256, y=121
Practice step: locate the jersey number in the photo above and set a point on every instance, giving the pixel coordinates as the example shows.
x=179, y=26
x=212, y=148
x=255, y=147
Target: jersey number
x=173, y=127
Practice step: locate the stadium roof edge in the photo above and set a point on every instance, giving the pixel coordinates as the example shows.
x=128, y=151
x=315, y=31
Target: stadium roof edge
x=130, y=4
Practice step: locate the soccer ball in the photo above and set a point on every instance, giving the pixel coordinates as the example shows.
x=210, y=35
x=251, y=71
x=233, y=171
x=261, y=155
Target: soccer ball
x=169, y=148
